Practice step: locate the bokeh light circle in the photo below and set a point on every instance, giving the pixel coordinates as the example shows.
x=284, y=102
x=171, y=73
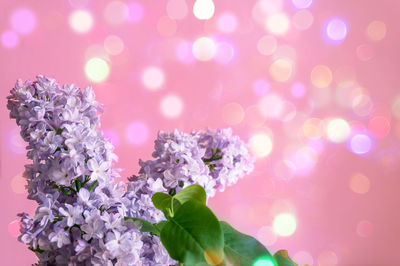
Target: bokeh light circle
x=312, y=128
x=302, y=3
x=284, y=224
x=225, y=53
x=336, y=29
x=261, y=87
x=9, y=39
x=303, y=258
x=362, y=105
x=135, y=12
x=338, y=130
x=376, y=31
x=203, y=9
x=81, y=21
x=171, y=106
x=97, y=69
x=281, y=69
x=184, y=53
x=204, y=49
x=137, y=133
x=177, y=9
x=303, y=19
x=321, y=76
x=264, y=261
x=153, y=78
x=359, y=183
x=365, y=52
x=227, y=22
x=278, y=23
x=298, y=90
x=360, y=144
x=271, y=106
x=116, y=13
x=113, y=45
x=23, y=21
x=260, y=145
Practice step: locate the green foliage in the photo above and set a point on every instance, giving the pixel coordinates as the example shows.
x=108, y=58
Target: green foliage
x=193, y=235
x=241, y=249
x=161, y=201
x=193, y=192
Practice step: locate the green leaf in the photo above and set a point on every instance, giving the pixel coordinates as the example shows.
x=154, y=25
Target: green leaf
x=193, y=235
x=146, y=225
x=160, y=225
x=193, y=192
x=282, y=258
x=241, y=249
x=161, y=201
x=93, y=185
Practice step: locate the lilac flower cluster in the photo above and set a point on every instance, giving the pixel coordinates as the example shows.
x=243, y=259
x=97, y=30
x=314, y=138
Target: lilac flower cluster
x=83, y=216
x=79, y=219
x=212, y=159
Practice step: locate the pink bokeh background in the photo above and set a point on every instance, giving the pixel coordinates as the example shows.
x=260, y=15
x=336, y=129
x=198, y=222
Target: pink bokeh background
x=316, y=81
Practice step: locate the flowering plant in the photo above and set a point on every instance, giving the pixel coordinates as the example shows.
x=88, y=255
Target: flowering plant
x=85, y=218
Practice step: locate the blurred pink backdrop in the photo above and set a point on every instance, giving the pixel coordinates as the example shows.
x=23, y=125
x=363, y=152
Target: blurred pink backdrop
x=311, y=85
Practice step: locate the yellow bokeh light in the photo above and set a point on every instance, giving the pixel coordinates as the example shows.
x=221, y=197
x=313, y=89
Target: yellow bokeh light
x=376, y=31
x=284, y=224
x=281, y=69
x=338, y=130
x=81, y=21
x=312, y=128
x=204, y=49
x=153, y=78
x=321, y=76
x=359, y=183
x=203, y=9
x=278, y=23
x=260, y=145
x=97, y=69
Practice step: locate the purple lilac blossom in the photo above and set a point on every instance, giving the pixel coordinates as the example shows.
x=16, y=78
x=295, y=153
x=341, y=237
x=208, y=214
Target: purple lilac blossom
x=212, y=159
x=80, y=217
